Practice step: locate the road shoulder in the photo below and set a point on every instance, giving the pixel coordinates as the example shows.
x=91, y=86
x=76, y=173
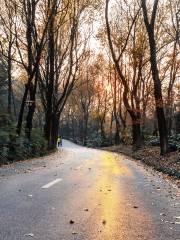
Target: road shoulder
x=168, y=166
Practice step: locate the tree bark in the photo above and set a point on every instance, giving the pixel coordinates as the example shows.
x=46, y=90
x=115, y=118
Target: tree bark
x=136, y=132
x=9, y=69
x=54, y=130
x=51, y=79
x=156, y=79
x=32, y=107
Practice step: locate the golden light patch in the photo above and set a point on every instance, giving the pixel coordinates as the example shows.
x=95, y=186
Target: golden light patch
x=113, y=166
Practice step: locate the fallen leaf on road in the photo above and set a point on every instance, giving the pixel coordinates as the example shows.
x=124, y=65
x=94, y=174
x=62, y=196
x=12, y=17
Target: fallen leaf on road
x=29, y=235
x=162, y=214
x=104, y=222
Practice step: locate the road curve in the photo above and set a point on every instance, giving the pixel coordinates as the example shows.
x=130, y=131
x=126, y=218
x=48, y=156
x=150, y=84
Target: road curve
x=86, y=194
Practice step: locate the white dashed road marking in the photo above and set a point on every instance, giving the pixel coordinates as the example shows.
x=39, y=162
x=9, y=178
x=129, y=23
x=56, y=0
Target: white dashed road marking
x=52, y=183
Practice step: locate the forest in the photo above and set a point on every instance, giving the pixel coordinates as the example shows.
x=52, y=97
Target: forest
x=98, y=73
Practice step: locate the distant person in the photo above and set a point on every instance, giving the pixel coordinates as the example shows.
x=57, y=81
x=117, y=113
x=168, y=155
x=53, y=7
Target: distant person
x=59, y=141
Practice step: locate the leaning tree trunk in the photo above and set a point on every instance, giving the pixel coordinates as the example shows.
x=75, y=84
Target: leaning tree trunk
x=158, y=97
x=150, y=25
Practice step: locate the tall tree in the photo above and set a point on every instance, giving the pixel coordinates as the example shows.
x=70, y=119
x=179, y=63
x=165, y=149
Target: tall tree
x=150, y=27
x=33, y=42
x=117, y=53
x=7, y=49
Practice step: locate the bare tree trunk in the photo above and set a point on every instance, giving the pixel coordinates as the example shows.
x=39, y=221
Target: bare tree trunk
x=110, y=130
x=158, y=98
x=51, y=79
x=137, y=138
x=54, y=130
x=32, y=107
x=155, y=75
x=9, y=68
x=170, y=100
x=21, y=112
x=85, y=128
x=117, y=137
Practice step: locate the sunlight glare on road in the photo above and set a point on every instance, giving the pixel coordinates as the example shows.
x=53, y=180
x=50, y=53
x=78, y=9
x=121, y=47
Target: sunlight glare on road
x=113, y=166
x=110, y=195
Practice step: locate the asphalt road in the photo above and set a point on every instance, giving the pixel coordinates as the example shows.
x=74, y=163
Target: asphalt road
x=80, y=193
